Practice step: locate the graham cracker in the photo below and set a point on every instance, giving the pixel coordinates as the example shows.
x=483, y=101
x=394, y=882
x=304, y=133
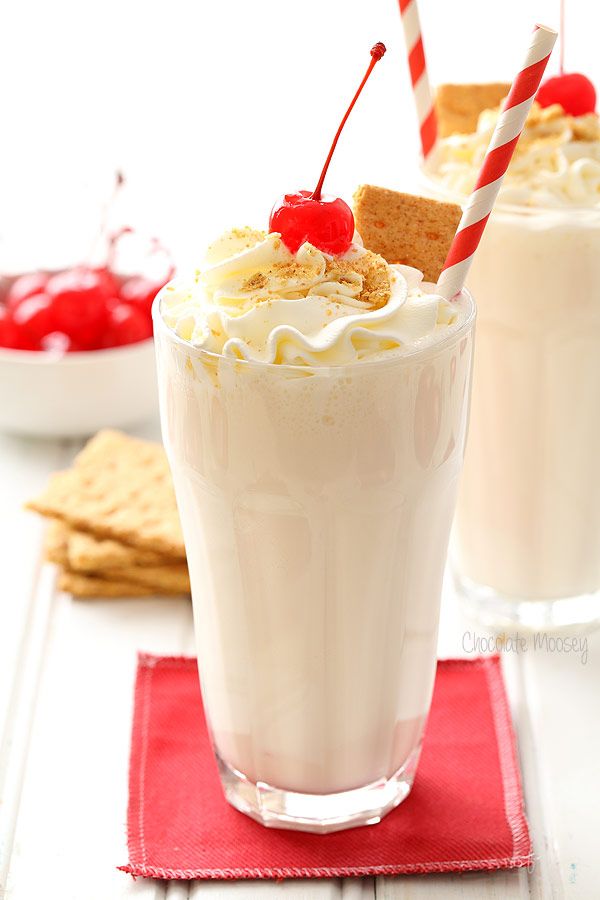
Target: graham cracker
x=93, y=586
x=458, y=106
x=170, y=579
x=87, y=553
x=55, y=543
x=413, y=231
x=120, y=488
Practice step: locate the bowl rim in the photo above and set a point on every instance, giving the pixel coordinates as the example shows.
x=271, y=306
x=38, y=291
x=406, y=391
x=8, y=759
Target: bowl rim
x=80, y=357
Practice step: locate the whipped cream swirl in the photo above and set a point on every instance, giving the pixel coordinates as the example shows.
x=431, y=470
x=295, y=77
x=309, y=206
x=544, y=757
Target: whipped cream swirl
x=556, y=162
x=257, y=301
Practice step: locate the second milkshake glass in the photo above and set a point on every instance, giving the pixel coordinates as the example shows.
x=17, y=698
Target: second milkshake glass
x=316, y=506
x=527, y=548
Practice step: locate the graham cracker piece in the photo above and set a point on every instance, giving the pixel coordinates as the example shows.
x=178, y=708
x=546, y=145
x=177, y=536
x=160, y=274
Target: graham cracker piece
x=458, y=106
x=168, y=579
x=413, y=231
x=120, y=488
x=542, y=115
x=56, y=543
x=94, y=586
x=87, y=553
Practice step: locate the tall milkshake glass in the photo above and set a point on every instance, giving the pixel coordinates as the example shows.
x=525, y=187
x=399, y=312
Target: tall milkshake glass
x=527, y=548
x=316, y=504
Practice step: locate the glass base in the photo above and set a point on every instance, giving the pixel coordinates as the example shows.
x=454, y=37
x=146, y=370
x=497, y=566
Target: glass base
x=494, y=610
x=320, y=813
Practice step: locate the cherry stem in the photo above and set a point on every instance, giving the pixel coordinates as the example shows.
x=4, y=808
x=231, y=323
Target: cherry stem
x=376, y=53
x=561, y=62
x=102, y=235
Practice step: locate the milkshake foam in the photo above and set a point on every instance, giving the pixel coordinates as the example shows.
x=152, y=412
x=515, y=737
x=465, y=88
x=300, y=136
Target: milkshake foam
x=314, y=413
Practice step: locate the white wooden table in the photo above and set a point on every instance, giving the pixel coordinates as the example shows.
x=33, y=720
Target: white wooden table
x=66, y=688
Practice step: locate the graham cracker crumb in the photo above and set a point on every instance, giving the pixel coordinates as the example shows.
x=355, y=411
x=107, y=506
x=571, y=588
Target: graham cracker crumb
x=376, y=289
x=586, y=128
x=292, y=270
x=256, y=282
x=552, y=126
x=250, y=235
x=405, y=229
x=539, y=115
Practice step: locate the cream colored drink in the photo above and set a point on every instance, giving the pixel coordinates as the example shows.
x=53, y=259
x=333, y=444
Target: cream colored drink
x=527, y=543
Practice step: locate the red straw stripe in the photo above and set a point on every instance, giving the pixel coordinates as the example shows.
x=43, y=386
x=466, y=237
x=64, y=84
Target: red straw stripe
x=526, y=83
x=465, y=242
x=429, y=133
x=404, y=4
x=496, y=163
x=416, y=61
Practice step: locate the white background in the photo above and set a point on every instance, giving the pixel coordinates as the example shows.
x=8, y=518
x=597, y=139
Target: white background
x=213, y=109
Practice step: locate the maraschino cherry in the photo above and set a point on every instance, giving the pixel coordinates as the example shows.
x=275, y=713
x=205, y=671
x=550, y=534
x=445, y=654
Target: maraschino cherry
x=127, y=325
x=79, y=303
x=325, y=222
x=574, y=92
x=140, y=291
x=10, y=335
x=85, y=307
x=25, y=286
x=33, y=318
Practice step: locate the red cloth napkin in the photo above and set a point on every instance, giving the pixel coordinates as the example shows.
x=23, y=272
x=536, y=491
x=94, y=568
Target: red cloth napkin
x=465, y=810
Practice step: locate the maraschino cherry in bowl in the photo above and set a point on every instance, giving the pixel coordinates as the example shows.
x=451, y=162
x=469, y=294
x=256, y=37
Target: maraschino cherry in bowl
x=76, y=348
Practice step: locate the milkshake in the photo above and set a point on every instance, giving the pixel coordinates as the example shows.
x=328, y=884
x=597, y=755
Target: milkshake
x=314, y=409
x=527, y=537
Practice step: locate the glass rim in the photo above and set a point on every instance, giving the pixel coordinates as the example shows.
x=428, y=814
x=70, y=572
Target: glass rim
x=161, y=328
x=516, y=209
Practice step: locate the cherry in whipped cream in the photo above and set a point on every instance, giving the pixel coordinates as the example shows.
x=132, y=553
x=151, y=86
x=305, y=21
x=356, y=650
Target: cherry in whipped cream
x=325, y=222
x=574, y=92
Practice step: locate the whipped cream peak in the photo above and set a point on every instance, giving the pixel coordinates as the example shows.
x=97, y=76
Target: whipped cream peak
x=232, y=243
x=556, y=162
x=255, y=300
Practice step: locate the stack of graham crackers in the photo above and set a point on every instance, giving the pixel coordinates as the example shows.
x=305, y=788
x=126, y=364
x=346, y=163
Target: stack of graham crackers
x=115, y=529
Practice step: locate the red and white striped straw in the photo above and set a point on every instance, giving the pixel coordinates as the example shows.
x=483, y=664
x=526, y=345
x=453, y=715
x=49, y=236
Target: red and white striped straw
x=497, y=158
x=418, y=75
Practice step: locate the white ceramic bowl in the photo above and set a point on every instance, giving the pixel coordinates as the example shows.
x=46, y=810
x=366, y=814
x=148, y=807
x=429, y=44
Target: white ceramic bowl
x=78, y=393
